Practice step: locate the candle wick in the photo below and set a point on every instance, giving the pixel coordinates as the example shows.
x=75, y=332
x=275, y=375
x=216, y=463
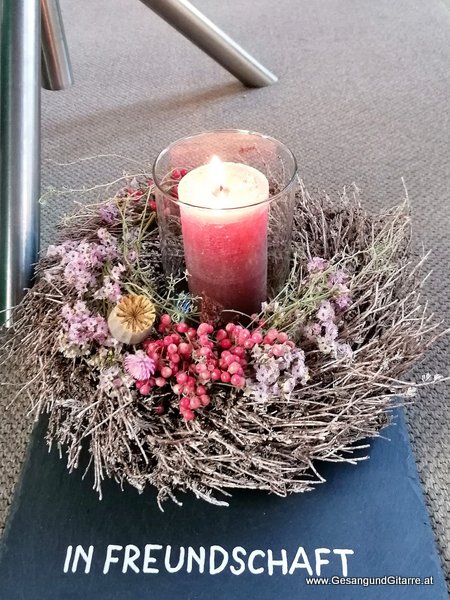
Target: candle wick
x=221, y=188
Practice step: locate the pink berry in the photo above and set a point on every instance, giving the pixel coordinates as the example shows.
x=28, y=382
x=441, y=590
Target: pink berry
x=237, y=381
x=145, y=389
x=226, y=343
x=160, y=381
x=191, y=332
x=165, y=320
x=203, y=339
x=166, y=372
x=195, y=403
x=185, y=402
x=152, y=205
x=221, y=335
x=230, y=327
x=239, y=351
x=146, y=343
x=176, y=389
x=272, y=334
x=167, y=340
x=215, y=375
x=277, y=350
x=282, y=337
x=181, y=377
x=188, y=415
x=172, y=348
x=248, y=344
x=205, y=351
x=234, y=368
x=140, y=383
x=175, y=357
x=225, y=377
x=176, y=174
x=152, y=347
x=182, y=327
x=183, y=172
x=200, y=390
x=228, y=360
x=184, y=348
x=257, y=337
x=204, y=399
x=204, y=376
x=159, y=409
x=202, y=329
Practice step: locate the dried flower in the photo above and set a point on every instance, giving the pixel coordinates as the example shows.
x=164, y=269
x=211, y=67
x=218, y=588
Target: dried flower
x=139, y=365
x=338, y=277
x=132, y=318
x=317, y=265
x=108, y=213
x=326, y=312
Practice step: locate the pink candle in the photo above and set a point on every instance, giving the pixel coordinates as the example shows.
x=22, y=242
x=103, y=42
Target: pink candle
x=224, y=216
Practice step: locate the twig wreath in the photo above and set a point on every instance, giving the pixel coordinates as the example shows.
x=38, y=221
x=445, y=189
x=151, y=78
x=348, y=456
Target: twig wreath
x=120, y=358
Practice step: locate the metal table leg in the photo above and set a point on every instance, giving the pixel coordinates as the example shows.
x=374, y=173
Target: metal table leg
x=189, y=21
x=56, y=69
x=20, y=148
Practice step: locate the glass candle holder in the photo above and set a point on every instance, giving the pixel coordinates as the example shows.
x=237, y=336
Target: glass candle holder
x=225, y=203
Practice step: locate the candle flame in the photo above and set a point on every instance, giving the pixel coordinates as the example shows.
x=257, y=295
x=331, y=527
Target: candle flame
x=216, y=172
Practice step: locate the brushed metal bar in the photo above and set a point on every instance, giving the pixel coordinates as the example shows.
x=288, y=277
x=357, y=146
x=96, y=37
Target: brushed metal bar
x=193, y=24
x=56, y=68
x=20, y=149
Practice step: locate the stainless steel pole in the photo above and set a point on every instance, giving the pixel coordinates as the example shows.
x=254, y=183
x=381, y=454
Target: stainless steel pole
x=20, y=149
x=56, y=69
x=193, y=24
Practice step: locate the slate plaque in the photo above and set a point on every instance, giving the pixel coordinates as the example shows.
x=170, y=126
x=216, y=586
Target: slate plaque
x=365, y=522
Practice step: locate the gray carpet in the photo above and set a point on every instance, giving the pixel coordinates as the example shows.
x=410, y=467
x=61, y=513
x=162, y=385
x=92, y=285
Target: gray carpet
x=363, y=96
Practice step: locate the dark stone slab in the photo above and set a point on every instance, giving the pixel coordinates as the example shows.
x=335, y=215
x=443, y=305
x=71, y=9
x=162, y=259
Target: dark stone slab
x=375, y=509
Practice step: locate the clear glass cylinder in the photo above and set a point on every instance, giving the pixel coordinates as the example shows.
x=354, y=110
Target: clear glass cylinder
x=228, y=225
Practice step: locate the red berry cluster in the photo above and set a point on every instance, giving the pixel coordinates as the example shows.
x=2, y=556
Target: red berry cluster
x=192, y=359
x=136, y=193
x=176, y=175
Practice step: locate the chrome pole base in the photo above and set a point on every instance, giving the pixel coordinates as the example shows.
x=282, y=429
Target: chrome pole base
x=20, y=149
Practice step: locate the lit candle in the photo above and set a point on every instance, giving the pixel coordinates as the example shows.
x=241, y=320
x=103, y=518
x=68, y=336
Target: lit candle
x=224, y=216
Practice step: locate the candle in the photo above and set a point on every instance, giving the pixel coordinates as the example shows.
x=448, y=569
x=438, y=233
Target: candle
x=224, y=216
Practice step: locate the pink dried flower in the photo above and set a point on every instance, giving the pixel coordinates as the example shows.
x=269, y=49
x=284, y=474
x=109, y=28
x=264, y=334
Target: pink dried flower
x=343, y=302
x=139, y=365
x=132, y=256
x=108, y=213
x=116, y=272
x=339, y=277
x=317, y=265
x=81, y=326
x=326, y=312
x=109, y=291
x=311, y=331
